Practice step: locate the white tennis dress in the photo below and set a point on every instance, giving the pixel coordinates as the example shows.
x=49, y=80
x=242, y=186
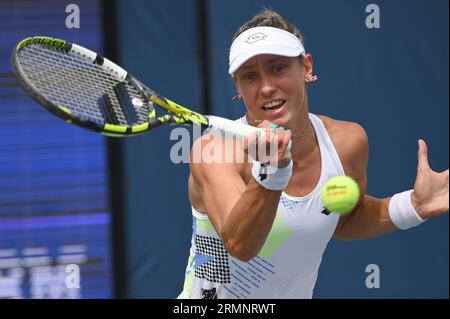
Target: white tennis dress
x=288, y=264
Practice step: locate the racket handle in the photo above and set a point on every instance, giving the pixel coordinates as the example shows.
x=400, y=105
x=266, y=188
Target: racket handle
x=226, y=126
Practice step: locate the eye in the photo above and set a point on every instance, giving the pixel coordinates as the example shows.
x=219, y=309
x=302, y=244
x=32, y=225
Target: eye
x=250, y=76
x=278, y=68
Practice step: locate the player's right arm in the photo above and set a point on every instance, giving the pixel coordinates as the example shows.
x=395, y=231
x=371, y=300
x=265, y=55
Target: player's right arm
x=242, y=214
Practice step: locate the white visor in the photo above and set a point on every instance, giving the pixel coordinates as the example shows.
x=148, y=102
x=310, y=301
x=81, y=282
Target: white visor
x=263, y=40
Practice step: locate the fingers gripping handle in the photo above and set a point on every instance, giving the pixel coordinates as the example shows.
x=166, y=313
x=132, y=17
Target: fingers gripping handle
x=226, y=126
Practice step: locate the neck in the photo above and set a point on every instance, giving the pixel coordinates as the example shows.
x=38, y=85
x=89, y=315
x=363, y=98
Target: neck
x=303, y=136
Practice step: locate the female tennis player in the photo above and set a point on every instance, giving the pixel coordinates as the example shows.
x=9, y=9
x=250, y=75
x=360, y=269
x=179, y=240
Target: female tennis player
x=260, y=230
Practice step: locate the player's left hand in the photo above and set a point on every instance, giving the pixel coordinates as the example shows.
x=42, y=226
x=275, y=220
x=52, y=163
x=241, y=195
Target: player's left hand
x=430, y=196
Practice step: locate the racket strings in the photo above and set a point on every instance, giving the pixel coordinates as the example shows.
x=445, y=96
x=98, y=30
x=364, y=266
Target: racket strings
x=82, y=87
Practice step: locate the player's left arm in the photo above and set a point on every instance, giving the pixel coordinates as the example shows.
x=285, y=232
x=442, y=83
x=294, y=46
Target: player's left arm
x=370, y=218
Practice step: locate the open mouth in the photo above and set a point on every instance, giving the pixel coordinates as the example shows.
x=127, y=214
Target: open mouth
x=274, y=106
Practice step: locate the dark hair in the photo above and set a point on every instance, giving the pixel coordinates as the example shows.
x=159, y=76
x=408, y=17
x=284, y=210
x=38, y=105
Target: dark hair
x=269, y=18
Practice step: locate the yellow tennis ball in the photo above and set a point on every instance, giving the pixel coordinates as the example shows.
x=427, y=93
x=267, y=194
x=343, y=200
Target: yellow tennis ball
x=340, y=194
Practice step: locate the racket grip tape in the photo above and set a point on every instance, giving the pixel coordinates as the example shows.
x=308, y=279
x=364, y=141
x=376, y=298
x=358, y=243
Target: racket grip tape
x=230, y=127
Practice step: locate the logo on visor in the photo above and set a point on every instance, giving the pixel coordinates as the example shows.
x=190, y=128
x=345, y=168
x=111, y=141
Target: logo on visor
x=256, y=37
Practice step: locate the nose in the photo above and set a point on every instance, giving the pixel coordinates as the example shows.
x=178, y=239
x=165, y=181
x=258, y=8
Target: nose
x=267, y=86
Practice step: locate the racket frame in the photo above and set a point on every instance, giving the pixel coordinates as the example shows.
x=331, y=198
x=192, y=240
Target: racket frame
x=176, y=114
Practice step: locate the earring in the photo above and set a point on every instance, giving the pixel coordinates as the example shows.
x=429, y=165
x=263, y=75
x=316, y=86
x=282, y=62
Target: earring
x=311, y=78
x=237, y=97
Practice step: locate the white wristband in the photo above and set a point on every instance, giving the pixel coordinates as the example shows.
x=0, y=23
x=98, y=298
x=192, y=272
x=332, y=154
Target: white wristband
x=272, y=177
x=402, y=212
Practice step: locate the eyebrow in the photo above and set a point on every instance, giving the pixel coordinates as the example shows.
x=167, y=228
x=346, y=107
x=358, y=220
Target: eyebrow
x=246, y=67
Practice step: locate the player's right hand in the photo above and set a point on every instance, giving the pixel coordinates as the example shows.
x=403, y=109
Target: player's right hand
x=270, y=147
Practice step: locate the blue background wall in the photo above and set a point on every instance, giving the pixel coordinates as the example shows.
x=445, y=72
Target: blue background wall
x=393, y=81
x=54, y=183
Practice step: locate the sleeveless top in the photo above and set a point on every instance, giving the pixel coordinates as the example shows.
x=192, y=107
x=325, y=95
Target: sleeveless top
x=288, y=263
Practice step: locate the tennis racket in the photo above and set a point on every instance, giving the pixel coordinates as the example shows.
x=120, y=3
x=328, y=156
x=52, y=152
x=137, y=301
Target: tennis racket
x=85, y=89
